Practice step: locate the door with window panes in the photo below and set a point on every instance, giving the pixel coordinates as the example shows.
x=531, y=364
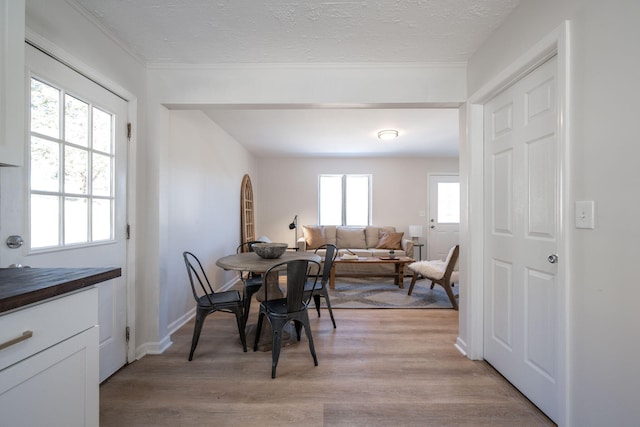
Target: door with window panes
x=444, y=215
x=77, y=162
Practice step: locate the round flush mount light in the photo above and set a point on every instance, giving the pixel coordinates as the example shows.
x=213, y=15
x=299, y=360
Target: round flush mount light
x=388, y=134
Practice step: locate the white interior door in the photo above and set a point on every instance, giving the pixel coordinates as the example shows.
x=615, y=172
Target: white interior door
x=444, y=215
x=522, y=212
x=75, y=188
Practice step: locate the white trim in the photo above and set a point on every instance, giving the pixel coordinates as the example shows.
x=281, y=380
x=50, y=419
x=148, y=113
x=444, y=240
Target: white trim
x=556, y=43
x=459, y=65
x=154, y=348
x=461, y=346
x=181, y=321
x=105, y=31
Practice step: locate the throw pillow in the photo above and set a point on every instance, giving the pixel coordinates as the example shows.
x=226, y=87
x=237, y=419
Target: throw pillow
x=373, y=234
x=314, y=236
x=350, y=238
x=390, y=240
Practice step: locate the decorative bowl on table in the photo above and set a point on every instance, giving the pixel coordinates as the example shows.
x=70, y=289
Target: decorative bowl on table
x=269, y=250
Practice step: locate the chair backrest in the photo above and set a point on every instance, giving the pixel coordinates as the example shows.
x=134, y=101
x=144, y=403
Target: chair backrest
x=298, y=270
x=195, y=270
x=331, y=253
x=247, y=246
x=452, y=260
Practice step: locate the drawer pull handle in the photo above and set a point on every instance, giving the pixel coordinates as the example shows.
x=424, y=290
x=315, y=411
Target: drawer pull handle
x=25, y=336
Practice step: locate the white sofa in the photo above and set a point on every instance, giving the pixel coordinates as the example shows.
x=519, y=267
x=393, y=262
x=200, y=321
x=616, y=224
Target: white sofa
x=370, y=241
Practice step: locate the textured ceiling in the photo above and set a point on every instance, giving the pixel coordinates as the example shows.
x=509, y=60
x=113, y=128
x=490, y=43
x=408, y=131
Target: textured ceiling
x=277, y=31
x=208, y=32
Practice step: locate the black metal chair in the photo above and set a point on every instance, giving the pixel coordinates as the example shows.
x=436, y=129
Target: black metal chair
x=294, y=307
x=331, y=252
x=211, y=301
x=251, y=282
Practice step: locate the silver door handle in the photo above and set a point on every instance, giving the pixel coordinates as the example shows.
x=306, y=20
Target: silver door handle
x=553, y=258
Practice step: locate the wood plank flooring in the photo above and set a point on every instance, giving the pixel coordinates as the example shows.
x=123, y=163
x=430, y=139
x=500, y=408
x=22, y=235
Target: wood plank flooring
x=381, y=367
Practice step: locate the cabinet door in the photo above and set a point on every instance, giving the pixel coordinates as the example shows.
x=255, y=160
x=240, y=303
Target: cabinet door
x=12, y=94
x=56, y=387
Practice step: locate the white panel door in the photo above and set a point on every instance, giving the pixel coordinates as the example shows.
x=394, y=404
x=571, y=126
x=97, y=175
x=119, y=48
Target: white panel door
x=109, y=251
x=522, y=226
x=444, y=215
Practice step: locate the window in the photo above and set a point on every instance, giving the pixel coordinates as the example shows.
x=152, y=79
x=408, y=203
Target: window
x=448, y=203
x=344, y=200
x=71, y=169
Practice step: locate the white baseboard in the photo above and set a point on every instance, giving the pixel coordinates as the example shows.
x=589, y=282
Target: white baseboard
x=165, y=343
x=461, y=346
x=153, y=348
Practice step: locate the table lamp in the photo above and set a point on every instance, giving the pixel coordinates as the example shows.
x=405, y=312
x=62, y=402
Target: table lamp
x=415, y=232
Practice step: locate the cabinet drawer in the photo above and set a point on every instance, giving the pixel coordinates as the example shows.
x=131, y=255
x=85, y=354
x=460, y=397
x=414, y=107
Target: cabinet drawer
x=50, y=322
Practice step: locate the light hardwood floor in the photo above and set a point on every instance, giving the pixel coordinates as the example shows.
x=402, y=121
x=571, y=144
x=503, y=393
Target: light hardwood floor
x=380, y=367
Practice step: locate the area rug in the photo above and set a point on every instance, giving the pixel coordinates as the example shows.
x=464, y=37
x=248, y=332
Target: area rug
x=381, y=293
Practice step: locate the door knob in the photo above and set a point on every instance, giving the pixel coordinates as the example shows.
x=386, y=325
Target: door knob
x=433, y=226
x=14, y=242
x=553, y=258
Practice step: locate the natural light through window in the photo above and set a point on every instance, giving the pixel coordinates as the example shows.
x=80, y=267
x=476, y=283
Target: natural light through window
x=71, y=169
x=344, y=200
x=448, y=202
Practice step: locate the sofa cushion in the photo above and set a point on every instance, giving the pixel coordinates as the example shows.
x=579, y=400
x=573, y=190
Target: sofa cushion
x=372, y=234
x=351, y=238
x=390, y=240
x=314, y=236
x=330, y=235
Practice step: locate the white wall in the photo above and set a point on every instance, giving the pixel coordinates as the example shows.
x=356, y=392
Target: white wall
x=204, y=178
x=289, y=186
x=603, y=318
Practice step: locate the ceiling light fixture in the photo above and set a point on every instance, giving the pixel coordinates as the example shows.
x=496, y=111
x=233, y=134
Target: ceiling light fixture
x=388, y=134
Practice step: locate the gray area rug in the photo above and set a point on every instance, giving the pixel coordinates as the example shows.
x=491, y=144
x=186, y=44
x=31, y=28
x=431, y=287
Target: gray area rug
x=382, y=293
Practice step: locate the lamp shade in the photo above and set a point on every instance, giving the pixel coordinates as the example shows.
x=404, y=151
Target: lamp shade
x=294, y=223
x=415, y=231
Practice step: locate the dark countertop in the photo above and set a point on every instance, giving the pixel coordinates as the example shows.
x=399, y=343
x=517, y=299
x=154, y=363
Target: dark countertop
x=23, y=286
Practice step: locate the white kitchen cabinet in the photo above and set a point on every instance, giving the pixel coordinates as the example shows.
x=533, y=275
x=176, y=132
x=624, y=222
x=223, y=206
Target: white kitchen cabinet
x=12, y=86
x=51, y=378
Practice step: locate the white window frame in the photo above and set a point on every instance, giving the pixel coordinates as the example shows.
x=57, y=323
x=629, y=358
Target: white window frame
x=61, y=193
x=344, y=198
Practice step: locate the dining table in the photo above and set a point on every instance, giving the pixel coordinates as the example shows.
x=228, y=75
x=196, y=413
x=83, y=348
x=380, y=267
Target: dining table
x=252, y=262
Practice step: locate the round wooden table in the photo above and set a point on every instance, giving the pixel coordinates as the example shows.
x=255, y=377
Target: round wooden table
x=250, y=261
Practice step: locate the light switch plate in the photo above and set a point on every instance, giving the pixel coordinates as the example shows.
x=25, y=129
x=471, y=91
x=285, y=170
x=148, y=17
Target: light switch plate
x=585, y=214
